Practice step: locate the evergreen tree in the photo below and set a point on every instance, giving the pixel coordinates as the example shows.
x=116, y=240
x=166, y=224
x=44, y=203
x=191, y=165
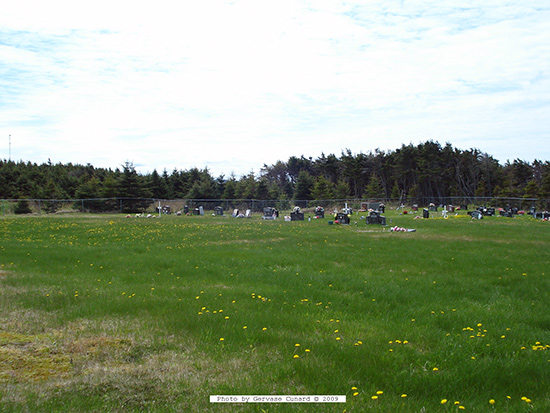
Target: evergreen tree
x=22, y=207
x=303, y=186
x=322, y=188
x=342, y=190
x=137, y=197
x=374, y=189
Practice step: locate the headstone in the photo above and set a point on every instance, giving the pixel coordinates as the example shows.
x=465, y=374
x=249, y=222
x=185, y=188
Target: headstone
x=342, y=218
x=319, y=212
x=425, y=213
x=375, y=218
x=296, y=216
x=218, y=210
x=477, y=214
x=270, y=213
x=201, y=210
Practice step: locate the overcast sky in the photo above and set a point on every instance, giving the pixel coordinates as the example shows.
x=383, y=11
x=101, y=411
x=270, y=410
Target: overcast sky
x=233, y=85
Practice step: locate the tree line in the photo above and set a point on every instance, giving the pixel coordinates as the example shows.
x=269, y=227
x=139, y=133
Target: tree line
x=424, y=171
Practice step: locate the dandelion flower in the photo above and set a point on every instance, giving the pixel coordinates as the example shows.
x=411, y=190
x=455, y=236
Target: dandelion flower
x=379, y=392
x=443, y=401
x=222, y=339
x=492, y=401
x=403, y=395
x=296, y=356
x=435, y=369
x=356, y=393
x=374, y=397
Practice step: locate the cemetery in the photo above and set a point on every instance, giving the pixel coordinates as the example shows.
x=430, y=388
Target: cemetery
x=144, y=302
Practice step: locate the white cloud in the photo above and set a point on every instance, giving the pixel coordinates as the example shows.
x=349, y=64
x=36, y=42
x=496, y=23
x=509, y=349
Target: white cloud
x=235, y=84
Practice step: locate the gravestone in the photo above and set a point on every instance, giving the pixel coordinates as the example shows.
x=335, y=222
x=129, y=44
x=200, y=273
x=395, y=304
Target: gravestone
x=425, y=213
x=477, y=214
x=270, y=213
x=218, y=210
x=296, y=216
x=342, y=218
x=319, y=212
x=375, y=218
x=375, y=206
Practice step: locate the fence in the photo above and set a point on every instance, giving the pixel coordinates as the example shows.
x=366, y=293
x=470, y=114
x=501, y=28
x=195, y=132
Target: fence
x=132, y=205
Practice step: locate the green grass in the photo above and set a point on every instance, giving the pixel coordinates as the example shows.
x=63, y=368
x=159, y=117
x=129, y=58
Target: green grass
x=101, y=312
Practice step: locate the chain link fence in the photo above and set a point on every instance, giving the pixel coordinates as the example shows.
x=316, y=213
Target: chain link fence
x=191, y=206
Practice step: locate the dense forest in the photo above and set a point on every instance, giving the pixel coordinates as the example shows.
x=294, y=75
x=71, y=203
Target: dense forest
x=428, y=171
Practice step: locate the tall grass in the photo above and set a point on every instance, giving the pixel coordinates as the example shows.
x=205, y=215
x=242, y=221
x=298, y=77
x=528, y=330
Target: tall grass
x=109, y=313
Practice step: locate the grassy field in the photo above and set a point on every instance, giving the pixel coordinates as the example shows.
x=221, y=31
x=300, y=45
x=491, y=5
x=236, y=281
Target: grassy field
x=107, y=313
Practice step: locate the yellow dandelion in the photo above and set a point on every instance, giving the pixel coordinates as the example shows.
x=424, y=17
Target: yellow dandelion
x=296, y=356
x=492, y=401
x=435, y=369
x=374, y=397
x=443, y=401
x=379, y=392
x=403, y=395
x=356, y=393
x=222, y=339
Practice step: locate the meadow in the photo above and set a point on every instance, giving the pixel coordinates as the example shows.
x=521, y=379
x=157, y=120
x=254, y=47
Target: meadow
x=107, y=313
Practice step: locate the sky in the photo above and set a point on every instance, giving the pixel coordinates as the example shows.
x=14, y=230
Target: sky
x=233, y=85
